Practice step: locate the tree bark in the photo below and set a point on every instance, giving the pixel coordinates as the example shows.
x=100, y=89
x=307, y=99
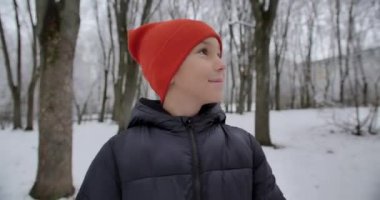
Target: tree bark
x=132, y=72
x=277, y=87
x=263, y=30
x=349, y=47
x=309, y=89
x=57, y=25
x=104, y=57
x=338, y=39
x=15, y=88
x=104, y=97
x=232, y=71
x=109, y=65
x=243, y=69
x=249, y=92
x=30, y=111
x=293, y=84
x=121, y=11
x=35, y=73
x=280, y=46
x=17, y=98
x=251, y=59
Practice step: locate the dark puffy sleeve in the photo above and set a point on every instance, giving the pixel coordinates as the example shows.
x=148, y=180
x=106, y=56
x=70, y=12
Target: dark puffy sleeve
x=102, y=179
x=264, y=182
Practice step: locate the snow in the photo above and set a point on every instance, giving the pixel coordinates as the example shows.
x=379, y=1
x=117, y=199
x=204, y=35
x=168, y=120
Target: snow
x=312, y=162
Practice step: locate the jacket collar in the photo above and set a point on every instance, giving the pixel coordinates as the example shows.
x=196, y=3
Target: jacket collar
x=151, y=113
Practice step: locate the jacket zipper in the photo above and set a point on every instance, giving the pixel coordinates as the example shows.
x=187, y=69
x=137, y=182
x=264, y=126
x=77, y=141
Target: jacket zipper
x=196, y=165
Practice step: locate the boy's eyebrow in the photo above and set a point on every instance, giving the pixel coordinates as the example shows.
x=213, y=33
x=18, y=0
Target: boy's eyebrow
x=207, y=43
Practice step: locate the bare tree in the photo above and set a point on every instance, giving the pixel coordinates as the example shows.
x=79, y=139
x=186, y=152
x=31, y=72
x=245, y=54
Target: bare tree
x=120, y=8
x=35, y=72
x=244, y=55
x=375, y=109
x=57, y=28
x=251, y=57
x=343, y=72
x=354, y=87
x=14, y=87
x=132, y=76
x=293, y=76
x=195, y=6
x=264, y=13
x=362, y=122
x=349, y=41
x=81, y=111
x=175, y=10
x=106, y=55
x=363, y=77
x=227, y=7
x=327, y=66
x=307, y=96
x=280, y=35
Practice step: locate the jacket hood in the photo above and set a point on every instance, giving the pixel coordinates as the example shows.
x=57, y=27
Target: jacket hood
x=151, y=113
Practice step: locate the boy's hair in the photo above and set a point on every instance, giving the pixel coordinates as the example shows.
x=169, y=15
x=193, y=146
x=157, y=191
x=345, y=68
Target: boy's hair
x=161, y=47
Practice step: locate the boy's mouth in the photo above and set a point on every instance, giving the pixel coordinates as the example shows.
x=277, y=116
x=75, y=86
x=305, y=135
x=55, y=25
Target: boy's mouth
x=218, y=80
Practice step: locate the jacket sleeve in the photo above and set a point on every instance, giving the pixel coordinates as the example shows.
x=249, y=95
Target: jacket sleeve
x=102, y=179
x=264, y=182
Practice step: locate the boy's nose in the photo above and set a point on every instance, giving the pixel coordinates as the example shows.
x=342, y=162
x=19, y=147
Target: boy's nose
x=220, y=64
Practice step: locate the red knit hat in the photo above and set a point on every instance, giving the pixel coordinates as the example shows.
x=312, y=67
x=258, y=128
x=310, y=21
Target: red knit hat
x=161, y=47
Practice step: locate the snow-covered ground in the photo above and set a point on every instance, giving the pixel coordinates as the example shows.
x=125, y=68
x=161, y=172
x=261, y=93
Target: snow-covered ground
x=312, y=162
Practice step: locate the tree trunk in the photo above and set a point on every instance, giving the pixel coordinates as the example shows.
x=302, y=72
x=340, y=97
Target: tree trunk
x=121, y=10
x=104, y=97
x=249, y=92
x=350, y=30
x=244, y=72
x=17, y=105
x=30, y=111
x=104, y=58
x=230, y=100
x=128, y=95
x=35, y=73
x=363, y=76
x=15, y=88
x=232, y=71
x=242, y=89
x=109, y=65
x=117, y=100
x=251, y=60
x=328, y=82
x=264, y=21
x=131, y=74
x=280, y=46
x=17, y=109
x=57, y=25
x=277, y=88
x=293, y=85
x=309, y=87
x=338, y=39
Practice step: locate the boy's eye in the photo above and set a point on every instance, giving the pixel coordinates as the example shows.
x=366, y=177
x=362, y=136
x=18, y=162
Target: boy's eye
x=203, y=51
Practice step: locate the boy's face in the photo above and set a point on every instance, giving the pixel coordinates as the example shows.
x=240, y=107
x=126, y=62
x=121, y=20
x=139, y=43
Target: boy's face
x=201, y=75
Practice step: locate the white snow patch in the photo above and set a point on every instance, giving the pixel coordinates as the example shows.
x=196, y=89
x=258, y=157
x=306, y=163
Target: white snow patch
x=312, y=162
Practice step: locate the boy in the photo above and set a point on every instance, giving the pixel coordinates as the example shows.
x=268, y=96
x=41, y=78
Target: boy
x=179, y=147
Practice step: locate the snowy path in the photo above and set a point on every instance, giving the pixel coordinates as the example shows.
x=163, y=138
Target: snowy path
x=311, y=164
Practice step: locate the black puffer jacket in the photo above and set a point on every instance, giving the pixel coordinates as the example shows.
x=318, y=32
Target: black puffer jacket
x=161, y=157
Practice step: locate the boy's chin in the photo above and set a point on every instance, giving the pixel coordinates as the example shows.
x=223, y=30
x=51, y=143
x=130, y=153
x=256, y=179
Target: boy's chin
x=214, y=100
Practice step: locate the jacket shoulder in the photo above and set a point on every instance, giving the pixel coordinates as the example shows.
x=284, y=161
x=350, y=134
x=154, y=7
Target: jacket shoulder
x=255, y=145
